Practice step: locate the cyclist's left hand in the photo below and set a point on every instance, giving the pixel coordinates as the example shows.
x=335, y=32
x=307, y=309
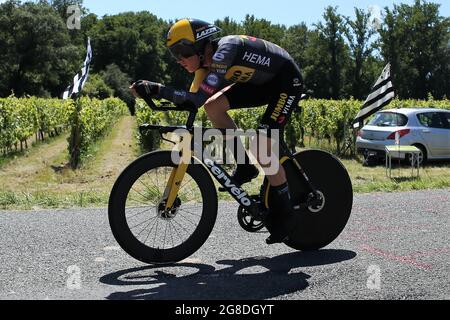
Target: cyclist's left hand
x=145, y=89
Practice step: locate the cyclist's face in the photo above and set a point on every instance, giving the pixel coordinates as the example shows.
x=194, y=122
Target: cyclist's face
x=191, y=64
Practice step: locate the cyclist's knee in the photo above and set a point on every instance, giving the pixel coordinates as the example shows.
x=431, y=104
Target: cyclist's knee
x=217, y=104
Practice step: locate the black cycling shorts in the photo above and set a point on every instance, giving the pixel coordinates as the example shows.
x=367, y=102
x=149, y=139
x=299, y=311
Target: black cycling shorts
x=282, y=94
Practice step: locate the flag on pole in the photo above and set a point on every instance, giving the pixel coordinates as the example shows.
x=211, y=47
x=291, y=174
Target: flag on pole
x=81, y=77
x=382, y=93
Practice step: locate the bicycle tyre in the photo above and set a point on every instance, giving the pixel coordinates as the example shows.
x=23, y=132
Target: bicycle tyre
x=117, y=210
x=316, y=230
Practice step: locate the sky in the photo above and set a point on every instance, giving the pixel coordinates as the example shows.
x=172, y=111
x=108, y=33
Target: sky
x=286, y=12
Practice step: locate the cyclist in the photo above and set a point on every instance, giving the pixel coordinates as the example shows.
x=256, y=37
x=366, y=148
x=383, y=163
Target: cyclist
x=235, y=71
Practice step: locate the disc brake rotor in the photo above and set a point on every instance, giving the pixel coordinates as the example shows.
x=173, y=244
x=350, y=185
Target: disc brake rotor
x=317, y=207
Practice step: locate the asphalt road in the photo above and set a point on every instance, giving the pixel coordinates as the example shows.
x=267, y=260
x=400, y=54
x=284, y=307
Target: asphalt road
x=395, y=246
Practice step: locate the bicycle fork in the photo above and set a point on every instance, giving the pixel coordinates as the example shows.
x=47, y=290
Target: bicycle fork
x=178, y=173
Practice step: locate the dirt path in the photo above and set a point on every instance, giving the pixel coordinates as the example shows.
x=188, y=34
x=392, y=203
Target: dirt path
x=24, y=170
x=33, y=172
x=114, y=153
x=118, y=150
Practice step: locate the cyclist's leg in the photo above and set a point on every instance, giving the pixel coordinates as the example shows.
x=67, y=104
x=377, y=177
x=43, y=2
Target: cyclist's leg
x=274, y=119
x=281, y=105
x=266, y=150
x=216, y=108
x=244, y=95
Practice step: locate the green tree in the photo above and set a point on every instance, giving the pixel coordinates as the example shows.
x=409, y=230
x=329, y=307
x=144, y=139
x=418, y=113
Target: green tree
x=36, y=54
x=264, y=29
x=77, y=36
x=132, y=41
x=328, y=57
x=119, y=82
x=229, y=27
x=96, y=87
x=296, y=41
x=61, y=6
x=415, y=40
x=359, y=33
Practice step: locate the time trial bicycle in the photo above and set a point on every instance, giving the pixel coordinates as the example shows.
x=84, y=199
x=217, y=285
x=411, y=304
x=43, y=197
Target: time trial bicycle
x=161, y=211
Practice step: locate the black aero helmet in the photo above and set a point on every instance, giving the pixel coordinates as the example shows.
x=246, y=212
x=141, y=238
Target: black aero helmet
x=188, y=37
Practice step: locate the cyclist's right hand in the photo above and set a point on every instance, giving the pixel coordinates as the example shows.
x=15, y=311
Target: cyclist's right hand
x=145, y=89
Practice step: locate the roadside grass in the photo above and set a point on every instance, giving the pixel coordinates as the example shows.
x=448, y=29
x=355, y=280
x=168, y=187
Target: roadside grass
x=434, y=175
x=35, y=200
x=87, y=187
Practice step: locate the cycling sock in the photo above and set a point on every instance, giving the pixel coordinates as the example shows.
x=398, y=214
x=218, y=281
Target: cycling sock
x=282, y=189
x=283, y=194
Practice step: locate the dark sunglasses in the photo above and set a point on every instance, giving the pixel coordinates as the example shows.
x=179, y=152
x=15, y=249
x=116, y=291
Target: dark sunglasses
x=182, y=49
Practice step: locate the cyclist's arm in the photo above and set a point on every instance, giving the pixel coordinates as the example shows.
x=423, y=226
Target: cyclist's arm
x=212, y=84
x=183, y=96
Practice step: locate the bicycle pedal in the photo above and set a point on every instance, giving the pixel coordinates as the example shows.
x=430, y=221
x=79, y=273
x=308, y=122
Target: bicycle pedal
x=300, y=206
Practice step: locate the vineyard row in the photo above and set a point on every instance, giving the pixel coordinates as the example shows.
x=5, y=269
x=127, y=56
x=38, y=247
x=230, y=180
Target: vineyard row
x=322, y=120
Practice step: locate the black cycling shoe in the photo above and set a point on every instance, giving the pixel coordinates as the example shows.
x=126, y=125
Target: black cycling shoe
x=282, y=223
x=280, y=233
x=244, y=173
x=277, y=238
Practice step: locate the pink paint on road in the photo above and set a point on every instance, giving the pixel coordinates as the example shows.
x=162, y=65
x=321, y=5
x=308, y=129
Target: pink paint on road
x=409, y=260
x=430, y=253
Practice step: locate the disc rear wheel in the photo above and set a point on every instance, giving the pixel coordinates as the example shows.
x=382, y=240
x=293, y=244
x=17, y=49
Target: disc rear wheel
x=320, y=223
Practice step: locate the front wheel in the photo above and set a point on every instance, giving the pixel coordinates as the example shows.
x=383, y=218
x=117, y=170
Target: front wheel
x=137, y=217
x=317, y=225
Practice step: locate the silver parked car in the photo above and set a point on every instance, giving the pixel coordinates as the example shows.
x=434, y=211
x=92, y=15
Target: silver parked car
x=427, y=129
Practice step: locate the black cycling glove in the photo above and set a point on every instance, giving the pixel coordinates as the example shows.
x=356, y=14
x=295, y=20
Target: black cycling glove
x=147, y=89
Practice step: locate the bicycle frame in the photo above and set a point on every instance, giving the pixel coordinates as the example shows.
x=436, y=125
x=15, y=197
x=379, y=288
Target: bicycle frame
x=216, y=170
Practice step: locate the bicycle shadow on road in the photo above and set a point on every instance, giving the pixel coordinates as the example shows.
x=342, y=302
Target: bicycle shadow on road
x=277, y=278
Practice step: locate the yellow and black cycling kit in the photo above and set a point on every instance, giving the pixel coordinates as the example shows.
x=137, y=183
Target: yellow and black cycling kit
x=261, y=73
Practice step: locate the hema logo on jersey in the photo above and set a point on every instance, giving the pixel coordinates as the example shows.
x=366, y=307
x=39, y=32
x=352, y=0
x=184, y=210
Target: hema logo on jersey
x=256, y=59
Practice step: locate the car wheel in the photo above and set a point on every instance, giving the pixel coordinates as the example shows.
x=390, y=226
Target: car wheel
x=422, y=156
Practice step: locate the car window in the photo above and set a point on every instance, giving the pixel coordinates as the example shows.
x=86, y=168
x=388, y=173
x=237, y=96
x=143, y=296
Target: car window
x=447, y=117
x=388, y=119
x=431, y=120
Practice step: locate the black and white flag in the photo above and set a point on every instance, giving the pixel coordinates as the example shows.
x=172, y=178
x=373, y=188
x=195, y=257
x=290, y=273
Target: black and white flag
x=382, y=93
x=80, y=78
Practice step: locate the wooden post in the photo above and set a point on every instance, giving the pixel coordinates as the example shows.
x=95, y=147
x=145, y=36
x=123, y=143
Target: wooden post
x=75, y=137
